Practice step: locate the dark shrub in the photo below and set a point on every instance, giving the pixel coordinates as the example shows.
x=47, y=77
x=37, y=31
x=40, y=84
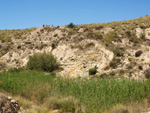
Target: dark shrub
x=93, y=71
x=104, y=75
x=114, y=63
x=142, y=36
x=112, y=73
x=53, y=45
x=147, y=74
x=138, y=53
x=118, y=53
x=99, y=27
x=71, y=25
x=140, y=68
x=91, y=44
x=19, y=47
x=130, y=67
x=43, y=62
x=128, y=34
x=55, y=35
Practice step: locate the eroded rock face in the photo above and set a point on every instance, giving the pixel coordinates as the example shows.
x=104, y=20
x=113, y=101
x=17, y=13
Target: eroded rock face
x=78, y=51
x=7, y=105
x=77, y=62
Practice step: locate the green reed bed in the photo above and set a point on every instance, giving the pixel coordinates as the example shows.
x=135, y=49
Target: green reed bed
x=96, y=94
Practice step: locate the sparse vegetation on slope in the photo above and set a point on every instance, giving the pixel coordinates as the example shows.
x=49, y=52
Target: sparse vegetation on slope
x=7, y=35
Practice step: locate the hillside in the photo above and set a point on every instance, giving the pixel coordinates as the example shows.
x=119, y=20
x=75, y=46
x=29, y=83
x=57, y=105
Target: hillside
x=118, y=49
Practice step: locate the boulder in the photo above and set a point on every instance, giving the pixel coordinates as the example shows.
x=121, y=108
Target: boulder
x=7, y=105
x=81, y=30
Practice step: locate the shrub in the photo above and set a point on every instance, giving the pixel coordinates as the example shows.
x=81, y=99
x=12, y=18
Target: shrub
x=142, y=36
x=53, y=45
x=43, y=62
x=93, y=71
x=91, y=44
x=19, y=47
x=71, y=32
x=71, y=25
x=104, y=75
x=113, y=64
x=130, y=67
x=128, y=33
x=96, y=35
x=147, y=74
x=138, y=53
x=112, y=73
x=140, y=68
x=65, y=104
x=118, y=53
x=99, y=27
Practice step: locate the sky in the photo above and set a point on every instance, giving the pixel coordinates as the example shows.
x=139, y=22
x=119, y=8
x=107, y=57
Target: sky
x=22, y=14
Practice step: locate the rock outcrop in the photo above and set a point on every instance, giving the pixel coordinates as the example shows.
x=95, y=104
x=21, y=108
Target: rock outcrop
x=7, y=105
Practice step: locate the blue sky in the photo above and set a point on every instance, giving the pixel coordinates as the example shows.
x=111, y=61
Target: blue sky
x=20, y=14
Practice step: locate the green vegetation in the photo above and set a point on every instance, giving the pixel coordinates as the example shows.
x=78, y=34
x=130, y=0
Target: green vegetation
x=142, y=36
x=92, y=35
x=114, y=63
x=71, y=25
x=147, y=74
x=65, y=104
x=118, y=53
x=138, y=53
x=96, y=95
x=53, y=46
x=93, y=71
x=43, y=62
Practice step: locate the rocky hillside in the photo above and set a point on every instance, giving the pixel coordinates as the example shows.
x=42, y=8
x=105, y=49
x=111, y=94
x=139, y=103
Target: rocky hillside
x=117, y=48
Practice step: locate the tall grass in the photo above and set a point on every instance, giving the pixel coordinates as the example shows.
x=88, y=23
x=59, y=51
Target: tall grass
x=96, y=94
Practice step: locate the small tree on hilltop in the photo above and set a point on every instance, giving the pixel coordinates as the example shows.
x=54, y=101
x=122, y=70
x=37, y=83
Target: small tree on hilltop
x=71, y=25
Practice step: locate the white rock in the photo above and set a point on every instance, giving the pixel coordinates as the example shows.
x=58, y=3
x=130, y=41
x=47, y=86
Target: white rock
x=138, y=32
x=147, y=33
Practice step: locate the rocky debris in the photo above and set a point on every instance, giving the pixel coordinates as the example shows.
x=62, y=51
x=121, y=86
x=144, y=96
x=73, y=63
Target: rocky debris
x=7, y=105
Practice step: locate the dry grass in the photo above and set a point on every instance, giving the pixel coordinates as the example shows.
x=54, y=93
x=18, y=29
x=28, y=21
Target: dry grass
x=30, y=107
x=131, y=108
x=7, y=35
x=65, y=104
